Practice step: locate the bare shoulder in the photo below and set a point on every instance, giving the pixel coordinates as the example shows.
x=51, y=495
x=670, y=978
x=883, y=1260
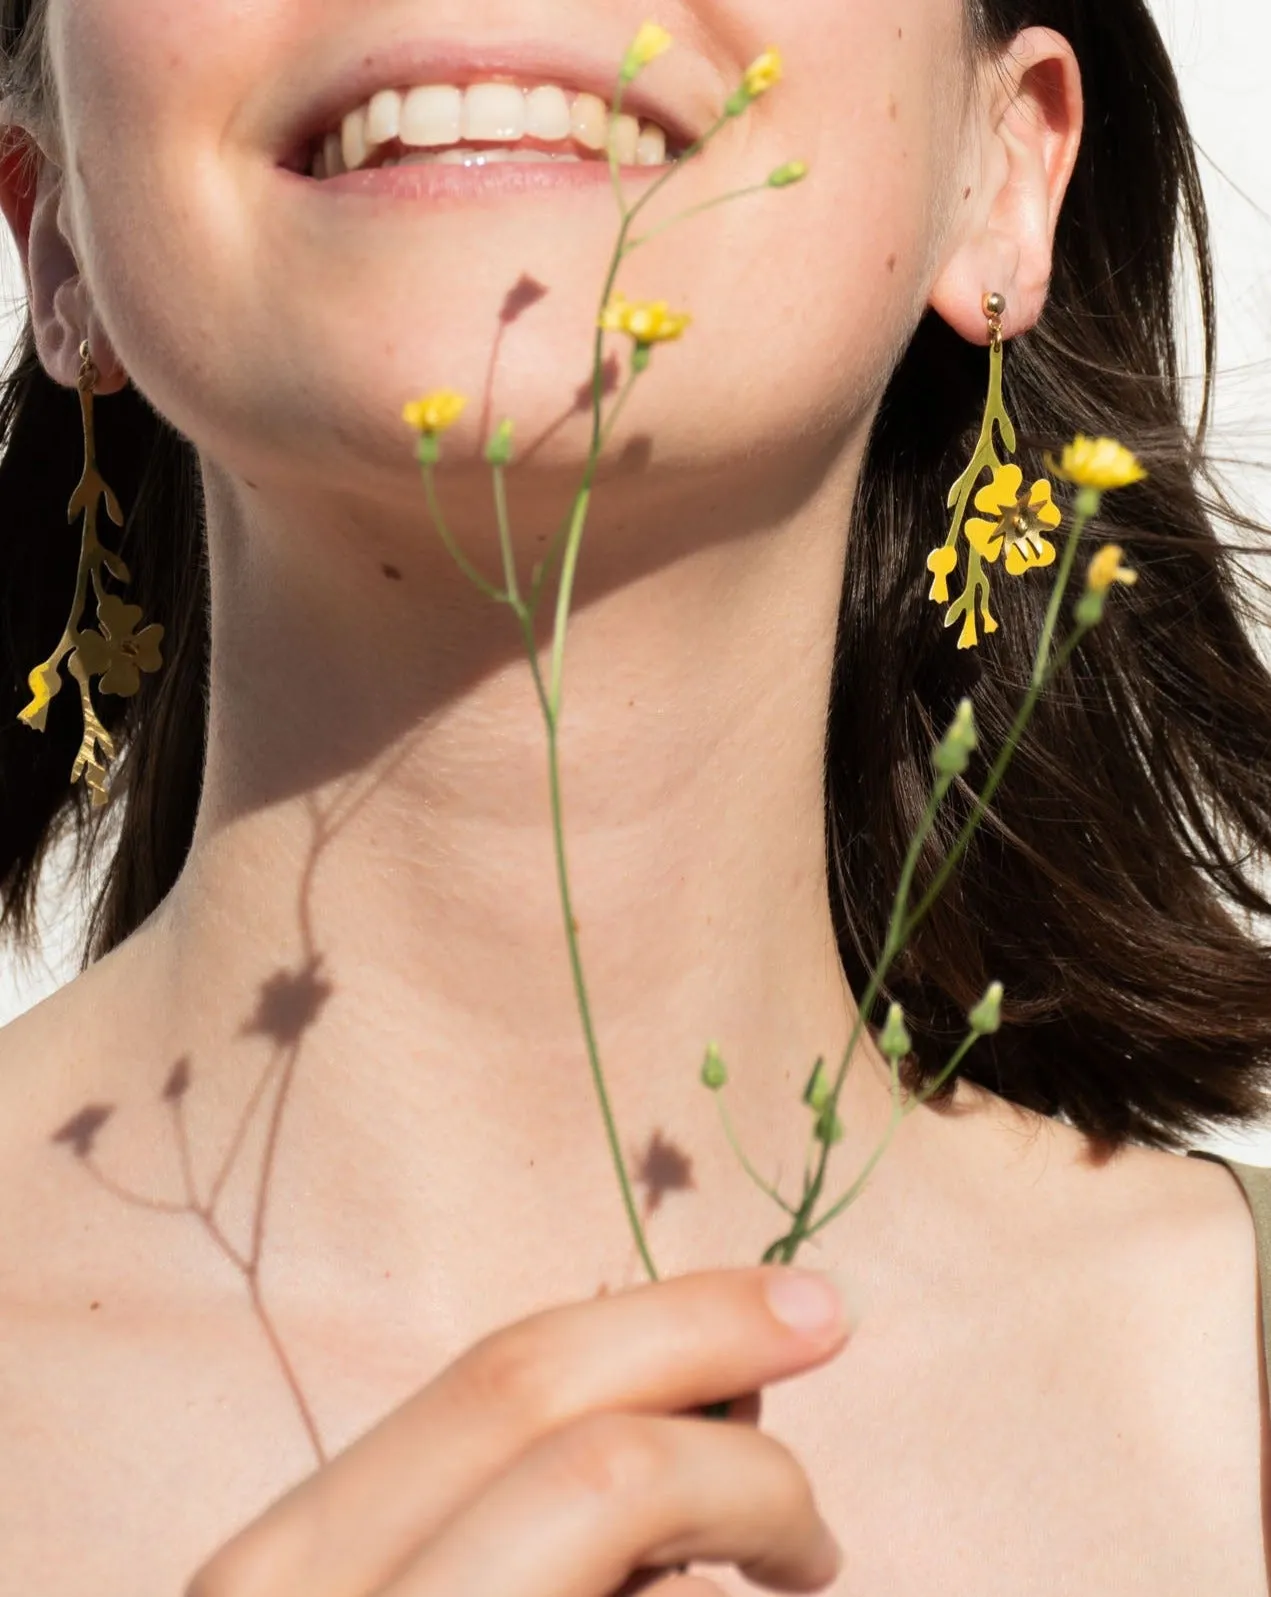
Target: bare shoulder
x=1179, y=1229
x=1069, y=1365
x=121, y=1352
x=58, y=1071
x=1158, y=1250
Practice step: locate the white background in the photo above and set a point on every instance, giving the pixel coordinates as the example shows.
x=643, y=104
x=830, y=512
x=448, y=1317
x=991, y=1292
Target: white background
x=1221, y=48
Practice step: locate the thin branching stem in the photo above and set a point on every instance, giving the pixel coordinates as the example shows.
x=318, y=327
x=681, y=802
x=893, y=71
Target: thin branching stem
x=696, y=210
x=456, y=553
x=746, y=1165
x=893, y=1125
x=902, y=922
x=1044, y=671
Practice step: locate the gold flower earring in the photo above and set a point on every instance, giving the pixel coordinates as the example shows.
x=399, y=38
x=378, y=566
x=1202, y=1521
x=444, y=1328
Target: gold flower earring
x=117, y=653
x=1020, y=517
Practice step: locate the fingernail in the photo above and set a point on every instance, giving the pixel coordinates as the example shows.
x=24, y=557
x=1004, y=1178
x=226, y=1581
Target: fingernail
x=804, y=1300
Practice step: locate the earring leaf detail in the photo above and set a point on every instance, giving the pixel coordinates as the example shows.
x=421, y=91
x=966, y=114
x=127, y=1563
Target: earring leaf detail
x=115, y=651
x=1018, y=518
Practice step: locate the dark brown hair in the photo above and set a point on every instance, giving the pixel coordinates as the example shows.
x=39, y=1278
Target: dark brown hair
x=1112, y=889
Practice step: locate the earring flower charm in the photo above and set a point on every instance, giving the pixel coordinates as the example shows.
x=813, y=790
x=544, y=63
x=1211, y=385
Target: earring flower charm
x=1021, y=519
x=119, y=653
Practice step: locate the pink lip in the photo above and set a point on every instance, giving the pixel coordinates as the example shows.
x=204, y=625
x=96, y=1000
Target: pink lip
x=471, y=182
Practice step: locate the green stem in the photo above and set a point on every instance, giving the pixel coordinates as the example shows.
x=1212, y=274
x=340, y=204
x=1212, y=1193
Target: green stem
x=895, y=925
x=661, y=182
x=621, y=401
x=552, y=701
x=513, y=592
x=746, y=1164
x=903, y=924
x=1044, y=671
x=456, y=553
x=539, y=576
x=565, y=593
x=893, y=1125
x=615, y=172
x=550, y=698
x=584, y=1002
x=696, y=210
x=892, y=946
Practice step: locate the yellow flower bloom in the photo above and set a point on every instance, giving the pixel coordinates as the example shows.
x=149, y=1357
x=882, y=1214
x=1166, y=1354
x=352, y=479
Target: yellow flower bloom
x=1020, y=522
x=434, y=412
x=651, y=42
x=762, y=73
x=1100, y=463
x=1106, y=568
x=648, y=322
x=942, y=563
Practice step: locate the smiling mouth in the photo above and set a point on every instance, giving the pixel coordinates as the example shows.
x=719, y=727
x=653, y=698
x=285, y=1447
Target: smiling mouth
x=481, y=124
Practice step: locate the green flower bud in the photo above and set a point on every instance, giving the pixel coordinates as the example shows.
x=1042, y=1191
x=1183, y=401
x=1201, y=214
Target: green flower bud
x=784, y=176
x=1088, y=610
x=829, y=1128
x=714, y=1070
x=894, y=1039
x=499, y=450
x=817, y=1091
x=640, y=357
x=428, y=449
x=1088, y=501
x=986, y=1017
x=959, y=743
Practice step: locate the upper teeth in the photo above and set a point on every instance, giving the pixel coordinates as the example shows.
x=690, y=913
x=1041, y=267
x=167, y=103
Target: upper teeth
x=439, y=114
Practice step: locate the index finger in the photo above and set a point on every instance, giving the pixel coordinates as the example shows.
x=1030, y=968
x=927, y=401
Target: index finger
x=658, y=1348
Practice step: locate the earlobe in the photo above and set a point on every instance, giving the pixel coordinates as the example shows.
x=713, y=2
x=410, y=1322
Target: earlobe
x=1005, y=242
x=30, y=195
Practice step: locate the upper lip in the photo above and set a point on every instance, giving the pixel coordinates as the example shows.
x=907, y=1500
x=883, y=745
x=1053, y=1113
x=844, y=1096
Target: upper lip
x=402, y=63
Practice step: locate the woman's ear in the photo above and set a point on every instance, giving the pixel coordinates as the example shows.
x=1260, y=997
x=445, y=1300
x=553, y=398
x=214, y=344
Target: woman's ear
x=1021, y=161
x=61, y=311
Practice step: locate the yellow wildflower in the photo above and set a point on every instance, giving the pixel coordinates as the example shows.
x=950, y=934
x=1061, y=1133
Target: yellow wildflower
x=434, y=412
x=941, y=563
x=646, y=321
x=651, y=42
x=1106, y=568
x=762, y=73
x=1020, y=521
x=1099, y=463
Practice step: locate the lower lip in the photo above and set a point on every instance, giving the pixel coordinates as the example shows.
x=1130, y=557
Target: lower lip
x=474, y=182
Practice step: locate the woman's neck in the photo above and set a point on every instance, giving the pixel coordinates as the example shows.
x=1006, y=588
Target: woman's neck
x=371, y=902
